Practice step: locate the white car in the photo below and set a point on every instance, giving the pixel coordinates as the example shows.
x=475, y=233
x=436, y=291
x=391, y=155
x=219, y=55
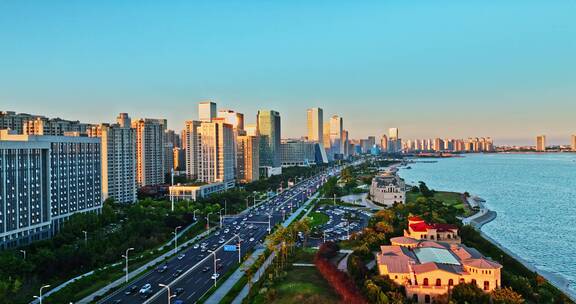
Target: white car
x=226, y=230
x=196, y=246
x=215, y=276
x=234, y=223
x=221, y=241
x=181, y=256
x=251, y=240
x=146, y=288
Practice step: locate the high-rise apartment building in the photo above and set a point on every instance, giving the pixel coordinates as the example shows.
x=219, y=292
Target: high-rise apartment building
x=53, y=126
x=215, y=152
x=206, y=111
x=384, y=143
x=190, y=141
x=296, y=152
x=149, y=151
x=270, y=133
x=179, y=155
x=541, y=143
x=10, y=120
x=315, y=124
x=118, y=159
x=573, y=143
x=326, y=136
x=248, y=158
x=233, y=118
x=393, y=133
x=45, y=179
x=252, y=130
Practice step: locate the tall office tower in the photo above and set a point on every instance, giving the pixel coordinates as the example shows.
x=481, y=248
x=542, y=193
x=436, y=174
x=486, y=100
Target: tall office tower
x=149, y=151
x=118, y=159
x=252, y=130
x=315, y=124
x=344, y=141
x=46, y=179
x=179, y=159
x=15, y=121
x=326, y=136
x=216, y=152
x=384, y=143
x=206, y=111
x=190, y=141
x=270, y=134
x=183, y=139
x=541, y=143
x=233, y=118
x=248, y=158
x=393, y=133
x=168, y=158
x=573, y=143
x=336, y=128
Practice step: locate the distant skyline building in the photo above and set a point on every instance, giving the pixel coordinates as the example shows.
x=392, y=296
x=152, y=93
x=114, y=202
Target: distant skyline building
x=336, y=136
x=45, y=180
x=315, y=124
x=541, y=143
x=206, y=111
x=149, y=151
x=298, y=152
x=118, y=151
x=269, y=128
x=573, y=143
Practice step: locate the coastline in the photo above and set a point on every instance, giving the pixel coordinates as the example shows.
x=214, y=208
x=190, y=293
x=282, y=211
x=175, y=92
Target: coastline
x=485, y=216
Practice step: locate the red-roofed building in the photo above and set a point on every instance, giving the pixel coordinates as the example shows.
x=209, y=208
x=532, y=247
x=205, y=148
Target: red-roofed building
x=420, y=230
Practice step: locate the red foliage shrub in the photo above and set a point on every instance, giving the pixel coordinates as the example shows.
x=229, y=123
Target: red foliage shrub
x=340, y=281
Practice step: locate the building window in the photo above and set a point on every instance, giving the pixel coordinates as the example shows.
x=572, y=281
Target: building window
x=486, y=285
x=450, y=282
x=427, y=299
x=425, y=282
x=438, y=282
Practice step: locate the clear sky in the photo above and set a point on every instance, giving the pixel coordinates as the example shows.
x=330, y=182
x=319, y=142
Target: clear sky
x=500, y=68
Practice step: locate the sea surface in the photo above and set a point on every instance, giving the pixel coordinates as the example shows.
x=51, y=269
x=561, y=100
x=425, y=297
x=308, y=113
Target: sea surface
x=533, y=194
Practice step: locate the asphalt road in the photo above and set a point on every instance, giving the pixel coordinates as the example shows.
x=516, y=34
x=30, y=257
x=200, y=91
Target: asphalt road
x=192, y=273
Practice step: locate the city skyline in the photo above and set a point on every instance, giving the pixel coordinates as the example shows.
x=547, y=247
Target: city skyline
x=374, y=66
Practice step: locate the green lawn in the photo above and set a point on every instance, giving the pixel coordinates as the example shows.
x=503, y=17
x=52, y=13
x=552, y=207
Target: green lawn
x=317, y=219
x=301, y=285
x=448, y=198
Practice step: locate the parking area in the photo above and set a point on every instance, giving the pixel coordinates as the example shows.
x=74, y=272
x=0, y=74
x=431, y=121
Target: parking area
x=342, y=222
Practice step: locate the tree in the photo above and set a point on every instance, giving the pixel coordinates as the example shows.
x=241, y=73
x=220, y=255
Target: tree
x=469, y=293
x=328, y=250
x=426, y=192
x=506, y=295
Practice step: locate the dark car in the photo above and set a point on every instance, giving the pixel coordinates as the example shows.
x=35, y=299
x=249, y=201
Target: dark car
x=205, y=269
x=178, y=273
x=131, y=290
x=178, y=291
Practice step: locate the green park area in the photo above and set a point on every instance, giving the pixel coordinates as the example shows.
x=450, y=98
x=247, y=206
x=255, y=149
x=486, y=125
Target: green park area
x=299, y=285
x=317, y=219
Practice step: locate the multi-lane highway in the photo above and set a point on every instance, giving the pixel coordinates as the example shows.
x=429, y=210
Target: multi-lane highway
x=190, y=273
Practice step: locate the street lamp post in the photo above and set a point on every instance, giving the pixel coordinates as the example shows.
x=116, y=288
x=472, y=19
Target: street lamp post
x=176, y=239
x=85, y=237
x=40, y=297
x=220, y=213
x=269, y=220
x=215, y=272
x=239, y=248
x=194, y=213
x=24, y=254
x=168, y=290
x=208, y=220
x=170, y=190
x=126, y=257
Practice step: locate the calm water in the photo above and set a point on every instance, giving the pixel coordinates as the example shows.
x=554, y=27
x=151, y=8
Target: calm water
x=533, y=194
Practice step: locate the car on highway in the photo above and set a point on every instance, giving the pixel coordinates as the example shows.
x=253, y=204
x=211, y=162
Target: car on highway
x=181, y=256
x=162, y=268
x=196, y=246
x=177, y=273
x=221, y=241
x=205, y=269
x=215, y=276
x=178, y=291
x=131, y=290
x=251, y=240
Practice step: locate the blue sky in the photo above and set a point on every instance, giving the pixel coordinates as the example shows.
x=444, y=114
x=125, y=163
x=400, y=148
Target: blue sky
x=501, y=68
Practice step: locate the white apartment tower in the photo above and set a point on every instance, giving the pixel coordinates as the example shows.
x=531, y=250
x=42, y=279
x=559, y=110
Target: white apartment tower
x=43, y=181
